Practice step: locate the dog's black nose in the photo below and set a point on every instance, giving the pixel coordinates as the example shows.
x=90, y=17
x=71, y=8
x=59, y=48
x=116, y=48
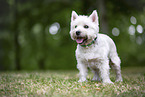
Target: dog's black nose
x=78, y=32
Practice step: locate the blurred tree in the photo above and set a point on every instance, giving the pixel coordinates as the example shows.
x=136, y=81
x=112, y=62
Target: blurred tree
x=27, y=42
x=16, y=34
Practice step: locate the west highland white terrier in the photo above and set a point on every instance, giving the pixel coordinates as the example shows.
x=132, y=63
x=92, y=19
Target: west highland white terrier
x=94, y=50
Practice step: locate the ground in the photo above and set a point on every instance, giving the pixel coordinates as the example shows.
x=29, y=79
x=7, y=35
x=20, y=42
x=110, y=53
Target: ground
x=64, y=84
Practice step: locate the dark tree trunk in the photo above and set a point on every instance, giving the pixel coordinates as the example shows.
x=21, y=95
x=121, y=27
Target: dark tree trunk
x=86, y=6
x=16, y=36
x=42, y=60
x=41, y=63
x=102, y=16
x=101, y=8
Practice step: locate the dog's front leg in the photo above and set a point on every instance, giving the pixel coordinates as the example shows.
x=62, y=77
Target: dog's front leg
x=83, y=71
x=104, y=71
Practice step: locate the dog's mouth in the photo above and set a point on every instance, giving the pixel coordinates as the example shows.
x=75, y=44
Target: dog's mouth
x=81, y=40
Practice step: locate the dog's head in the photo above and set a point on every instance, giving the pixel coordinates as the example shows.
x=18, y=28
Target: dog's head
x=84, y=29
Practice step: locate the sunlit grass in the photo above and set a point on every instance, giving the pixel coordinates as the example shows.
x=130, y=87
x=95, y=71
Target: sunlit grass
x=64, y=83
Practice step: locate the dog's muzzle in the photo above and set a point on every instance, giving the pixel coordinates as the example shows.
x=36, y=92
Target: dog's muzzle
x=80, y=39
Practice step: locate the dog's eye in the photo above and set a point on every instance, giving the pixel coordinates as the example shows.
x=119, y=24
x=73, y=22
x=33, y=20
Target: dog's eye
x=86, y=26
x=75, y=26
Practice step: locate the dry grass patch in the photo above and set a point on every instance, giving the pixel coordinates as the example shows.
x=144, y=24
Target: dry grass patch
x=64, y=83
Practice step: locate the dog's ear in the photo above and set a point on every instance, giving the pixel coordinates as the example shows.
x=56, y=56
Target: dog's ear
x=73, y=15
x=94, y=16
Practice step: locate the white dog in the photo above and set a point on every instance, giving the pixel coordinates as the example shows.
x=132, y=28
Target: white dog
x=94, y=50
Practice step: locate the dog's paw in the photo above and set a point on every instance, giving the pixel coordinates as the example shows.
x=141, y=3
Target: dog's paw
x=119, y=79
x=107, y=82
x=82, y=80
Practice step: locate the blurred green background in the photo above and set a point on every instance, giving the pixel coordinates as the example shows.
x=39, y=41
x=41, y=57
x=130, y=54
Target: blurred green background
x=34, y=34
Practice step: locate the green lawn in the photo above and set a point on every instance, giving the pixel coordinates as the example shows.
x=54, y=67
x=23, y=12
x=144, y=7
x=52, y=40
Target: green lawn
x=64, y=83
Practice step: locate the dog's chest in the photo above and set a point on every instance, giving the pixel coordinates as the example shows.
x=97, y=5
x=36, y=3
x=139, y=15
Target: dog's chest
x=91, y=54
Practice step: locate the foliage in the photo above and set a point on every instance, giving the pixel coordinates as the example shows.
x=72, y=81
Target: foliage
x=64, y=83
x=27, y=44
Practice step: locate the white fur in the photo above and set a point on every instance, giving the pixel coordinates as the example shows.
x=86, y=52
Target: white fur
x=97, y=55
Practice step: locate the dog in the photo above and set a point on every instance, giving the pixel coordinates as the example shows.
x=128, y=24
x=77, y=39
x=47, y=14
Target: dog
x=94, y=50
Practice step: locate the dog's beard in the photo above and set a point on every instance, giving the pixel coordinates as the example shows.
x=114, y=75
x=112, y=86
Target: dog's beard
x=80, y=39
x=83, y=38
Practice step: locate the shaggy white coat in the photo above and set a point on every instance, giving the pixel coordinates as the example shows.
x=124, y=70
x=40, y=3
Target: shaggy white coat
x=98, y=55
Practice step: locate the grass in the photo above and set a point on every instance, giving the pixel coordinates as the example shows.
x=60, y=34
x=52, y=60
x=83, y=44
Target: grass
x=64, y=84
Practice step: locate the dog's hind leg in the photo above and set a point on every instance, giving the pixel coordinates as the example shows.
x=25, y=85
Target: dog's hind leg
x=115, y=64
